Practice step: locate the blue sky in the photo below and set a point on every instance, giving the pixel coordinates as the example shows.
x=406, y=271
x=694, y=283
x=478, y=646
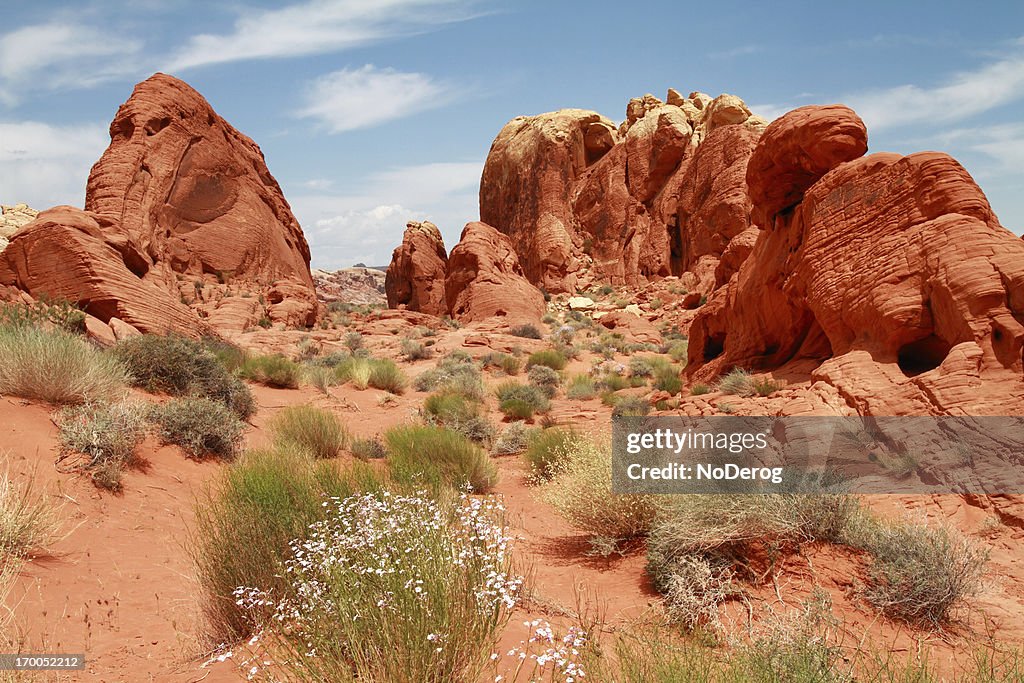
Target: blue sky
x=374, y=112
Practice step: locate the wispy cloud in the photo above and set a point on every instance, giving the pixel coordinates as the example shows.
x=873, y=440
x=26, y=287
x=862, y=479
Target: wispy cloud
x=317, y=26
x=962, y=95
x=738, y=51
x=365, y=224
x=44, y=165
x=61, y=55
x=360, y=98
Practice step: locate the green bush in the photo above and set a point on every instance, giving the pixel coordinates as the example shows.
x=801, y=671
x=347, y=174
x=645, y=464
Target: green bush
x=353, y=341
x=456, y=372
x=581, y=388
x=668, y=380
x=317, y=431
x=179, y=366
x=507, y=363
x=245, y=521
x=451, y=409
x=516, y=409
x=273, y=371
x=385, y=375
x=413, y=350
x=200, y=426
x=551, y=358
x=678, y=351
x=56, y=367
x=631, y=407
x=765, y=386
x=107, y=434
x=435, y=456
x=526, y=393
x=355, y=370
x=699, y=390
x=612, y=382
x=526, y=331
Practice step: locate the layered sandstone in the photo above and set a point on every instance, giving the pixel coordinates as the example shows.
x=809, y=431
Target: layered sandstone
x=179, y=200
x=415, y=278
x=889, y=272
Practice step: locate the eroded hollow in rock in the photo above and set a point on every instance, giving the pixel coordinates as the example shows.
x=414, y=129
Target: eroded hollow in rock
x=922, y=355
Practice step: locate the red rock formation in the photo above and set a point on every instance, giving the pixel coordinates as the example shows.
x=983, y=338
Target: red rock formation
x=664, y=196
x=485, y=279
x=415, y=278
x=179, y=196
x=632, y=327
x=891, y=272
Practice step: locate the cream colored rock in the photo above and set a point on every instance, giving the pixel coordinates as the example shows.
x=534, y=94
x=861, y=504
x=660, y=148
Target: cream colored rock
x=581, y=303
x=123, y=330
x=14, y=217
x=634, y=309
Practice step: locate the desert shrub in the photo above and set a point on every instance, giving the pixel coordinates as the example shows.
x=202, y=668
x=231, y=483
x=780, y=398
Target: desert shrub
x=28, y=521
x=456, y=373
x=668, y=380
x=765, y=386
x=385, y=375
x=56, y=366
x=274, y=371
x=227, y=354
x=551, y=358
x=548, y=450
x=678, y=351
x=581, y=492
x=354, y=370
x=918, y=572
x=414, y=590
x=317, y=431
x=631, y=406
x=528, y=394
x=516, y=409
x=200, y=426
x=696, y=586
x=60, y=313
x=353, y=341
x=610, y=381
x=435, y=456
x=527, y=331
x=738, y=381
x=106, y=434
x=454, y=410
x=581, y=387
x=413, y=350
x=507, y=363
x=370, y=448
x=245, y=521
x=320, y=376
x=544, y=377
x=640, y=366
x=699, y=390
x=564, y=335
x=513, y=439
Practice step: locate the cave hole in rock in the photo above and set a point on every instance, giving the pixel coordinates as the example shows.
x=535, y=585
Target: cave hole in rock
x=922, y=355
x=714, y=346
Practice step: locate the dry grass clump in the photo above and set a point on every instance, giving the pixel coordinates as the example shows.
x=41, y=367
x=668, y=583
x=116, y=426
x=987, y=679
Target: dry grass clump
x=413, y=350
x=370, y=448
x=521, y=401
x=28, y=521
x=513, y=439
x=454, y=410
x=273, y=371
x=581, y=388
x=317, y=431
x=107, y=434
x=738, y=381
x=436, y=457
x=580, y=491
x=200, y=426
x=182, y=367
x=57, y=367
x=384, y=374
x=551, y=358
x=544, y=377
x=455, y=372
x=507, y=363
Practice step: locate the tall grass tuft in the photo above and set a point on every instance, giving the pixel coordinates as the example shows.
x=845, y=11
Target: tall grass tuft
x=107, y=435
x=56, y=367
x=273, y=371
x=317, y=431
x=28, y=522
x=435, y=457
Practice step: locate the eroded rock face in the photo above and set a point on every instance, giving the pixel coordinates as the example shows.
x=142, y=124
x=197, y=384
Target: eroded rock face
x=356, y=285
x=525, y=188
x=485, y=280
x=179, y=198
x=663, y=195
x=12, y=218
x=892, y=272
x=415, y=278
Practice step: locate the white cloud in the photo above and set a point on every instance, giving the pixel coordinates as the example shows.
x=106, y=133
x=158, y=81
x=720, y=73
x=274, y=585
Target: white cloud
x=360, y=98
x=61, y=55
x=44, y=165
x=366, y=224
x=315, y=27
x=961, y=96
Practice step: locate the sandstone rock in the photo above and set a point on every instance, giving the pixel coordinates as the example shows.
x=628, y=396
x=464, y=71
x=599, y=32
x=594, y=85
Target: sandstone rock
x=654, y=147
x=581, y=303
x=415, y=278
x=358, y=285
x=485, y=279
x=99, y=332
x=634, y=328
x=891, y=272
x=14, y=217
x=178, y=193
x=634, y=309
x=674, y=98
x=122, y=330
x=524, y=188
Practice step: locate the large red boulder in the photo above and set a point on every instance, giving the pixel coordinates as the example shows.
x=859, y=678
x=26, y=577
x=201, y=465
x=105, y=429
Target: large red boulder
x=178, y=200
x=415, y=278
x=892, y=272
x=485, y=280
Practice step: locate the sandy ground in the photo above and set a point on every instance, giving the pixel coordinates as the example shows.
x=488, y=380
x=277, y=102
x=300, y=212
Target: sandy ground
x=120, y=587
